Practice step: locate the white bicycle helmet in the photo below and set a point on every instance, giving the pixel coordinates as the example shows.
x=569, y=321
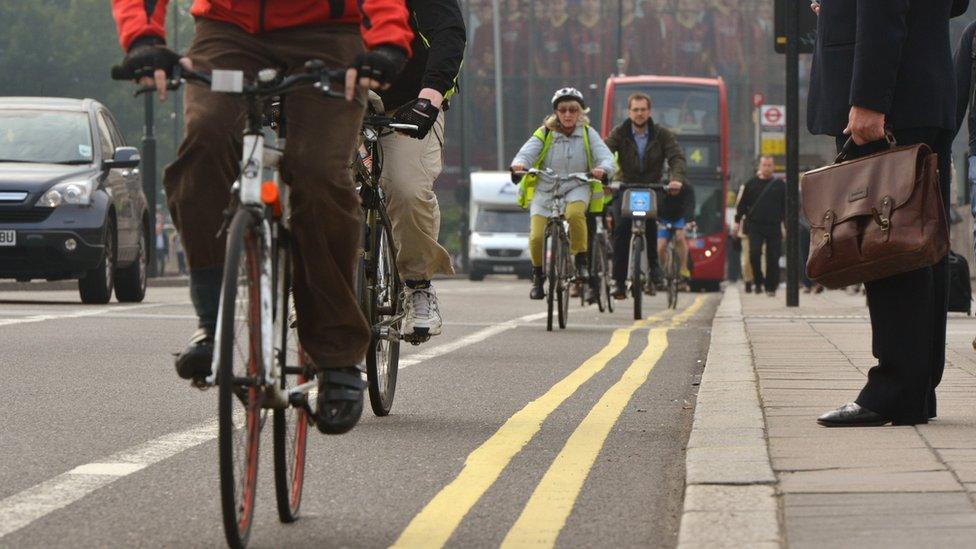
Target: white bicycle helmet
x=567, y=93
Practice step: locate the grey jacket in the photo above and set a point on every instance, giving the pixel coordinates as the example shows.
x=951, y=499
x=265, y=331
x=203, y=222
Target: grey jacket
x=566, y=154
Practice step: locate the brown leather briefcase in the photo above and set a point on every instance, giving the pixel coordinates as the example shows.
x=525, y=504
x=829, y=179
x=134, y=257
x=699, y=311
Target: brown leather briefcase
x=874, y=216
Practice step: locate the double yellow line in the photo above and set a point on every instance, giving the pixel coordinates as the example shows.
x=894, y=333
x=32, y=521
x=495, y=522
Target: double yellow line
x=553, y=499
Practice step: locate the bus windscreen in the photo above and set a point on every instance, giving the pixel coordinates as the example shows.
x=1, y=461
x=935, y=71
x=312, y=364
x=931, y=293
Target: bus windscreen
x=686, y=110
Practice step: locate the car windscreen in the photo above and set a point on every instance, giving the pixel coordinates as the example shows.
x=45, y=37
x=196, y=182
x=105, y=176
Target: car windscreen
x=502, y=221
x=57, y=137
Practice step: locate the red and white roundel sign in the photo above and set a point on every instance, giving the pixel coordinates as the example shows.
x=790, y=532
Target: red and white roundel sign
x=773, y=116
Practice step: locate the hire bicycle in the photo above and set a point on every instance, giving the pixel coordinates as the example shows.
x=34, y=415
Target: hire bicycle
x=258, y=365
x=379, y=286
x=558, y=263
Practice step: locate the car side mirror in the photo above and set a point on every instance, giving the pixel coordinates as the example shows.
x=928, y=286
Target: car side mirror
x=124, y=157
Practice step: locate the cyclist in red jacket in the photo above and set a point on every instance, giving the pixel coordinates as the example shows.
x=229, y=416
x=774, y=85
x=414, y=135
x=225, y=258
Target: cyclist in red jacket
x=250, y=35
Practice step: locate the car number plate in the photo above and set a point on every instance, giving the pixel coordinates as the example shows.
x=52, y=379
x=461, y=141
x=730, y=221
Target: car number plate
x=8, y=237
x=503, y=269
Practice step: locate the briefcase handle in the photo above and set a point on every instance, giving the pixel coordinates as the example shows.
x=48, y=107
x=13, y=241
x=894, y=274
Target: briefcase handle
x=844, y=152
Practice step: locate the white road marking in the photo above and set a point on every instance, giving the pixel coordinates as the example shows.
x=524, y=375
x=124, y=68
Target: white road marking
x=29, y=505
x=23, y=508
x=469, y=339
x=77, y=314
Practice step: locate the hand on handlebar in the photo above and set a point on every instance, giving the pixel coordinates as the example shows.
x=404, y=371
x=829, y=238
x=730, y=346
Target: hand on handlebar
x=150, y=64
x=375, y=69
x=598, y=173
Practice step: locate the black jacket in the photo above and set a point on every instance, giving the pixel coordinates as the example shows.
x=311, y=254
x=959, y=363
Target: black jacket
x=770, y=209
x=674, y=207
x=964, y=74
x=890, y=56
x=661, y=146
x=438, y=48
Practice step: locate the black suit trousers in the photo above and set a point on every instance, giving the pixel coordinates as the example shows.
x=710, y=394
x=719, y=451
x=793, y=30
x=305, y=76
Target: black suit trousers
x=772, y=237
x=908, y=315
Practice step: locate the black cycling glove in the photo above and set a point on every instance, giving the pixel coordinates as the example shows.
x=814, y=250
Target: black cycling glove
x=146, y=55
x=420, y=113
x=383, y=64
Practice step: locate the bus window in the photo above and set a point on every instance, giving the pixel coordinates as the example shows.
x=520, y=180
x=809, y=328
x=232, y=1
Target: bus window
x=709, y=205
x=685, y=110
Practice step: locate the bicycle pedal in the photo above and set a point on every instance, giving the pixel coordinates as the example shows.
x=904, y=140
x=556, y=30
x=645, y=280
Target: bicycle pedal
x=200, y=383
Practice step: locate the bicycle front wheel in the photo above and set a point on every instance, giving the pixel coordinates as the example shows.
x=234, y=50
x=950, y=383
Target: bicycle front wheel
x=550, y=261
x=598, y=264
x=607, y=273
x=637, y=276
x=290, y=433
x=383, y=357
x=239, y=367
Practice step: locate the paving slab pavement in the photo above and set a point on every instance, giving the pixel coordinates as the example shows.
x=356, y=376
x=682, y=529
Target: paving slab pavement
x=761, y=472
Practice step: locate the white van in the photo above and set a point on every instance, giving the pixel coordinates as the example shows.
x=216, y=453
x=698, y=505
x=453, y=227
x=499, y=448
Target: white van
x=499, y=242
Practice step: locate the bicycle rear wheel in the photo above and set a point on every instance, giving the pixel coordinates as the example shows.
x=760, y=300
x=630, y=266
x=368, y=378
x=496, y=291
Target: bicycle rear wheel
x=564, y=282
x=674, y=270
x=239, y=369
x=598, y=264
x=550, y=261
x=290, y=433
x=385, y=293
x=608, y=272
x=636, y=274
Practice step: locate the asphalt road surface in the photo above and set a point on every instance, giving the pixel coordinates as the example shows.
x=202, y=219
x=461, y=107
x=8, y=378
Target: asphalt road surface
x=501, y=433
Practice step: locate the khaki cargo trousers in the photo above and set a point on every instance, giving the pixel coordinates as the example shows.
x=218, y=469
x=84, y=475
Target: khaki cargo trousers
x=321, y=138
x=410, y=167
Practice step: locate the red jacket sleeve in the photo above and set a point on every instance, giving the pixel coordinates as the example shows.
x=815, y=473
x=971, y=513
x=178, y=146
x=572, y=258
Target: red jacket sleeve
x=131, y=20
x=386, y=22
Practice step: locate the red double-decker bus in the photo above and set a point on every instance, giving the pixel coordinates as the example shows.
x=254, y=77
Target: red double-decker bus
x=695, y=110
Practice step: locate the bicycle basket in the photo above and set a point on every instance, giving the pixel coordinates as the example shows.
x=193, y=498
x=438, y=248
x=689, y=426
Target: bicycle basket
x=639, y=202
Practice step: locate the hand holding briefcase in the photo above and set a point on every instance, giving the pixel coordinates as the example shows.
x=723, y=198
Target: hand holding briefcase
x=875, y=216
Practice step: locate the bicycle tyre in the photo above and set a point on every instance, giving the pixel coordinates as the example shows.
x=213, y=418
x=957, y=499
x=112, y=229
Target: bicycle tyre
x=549, y=251
x=608, y=273
x=290, y=427
x=674, y=271
x=598, y=270
x=385, y=291
x=563, y=283
x=240, y=294
x=637, y=277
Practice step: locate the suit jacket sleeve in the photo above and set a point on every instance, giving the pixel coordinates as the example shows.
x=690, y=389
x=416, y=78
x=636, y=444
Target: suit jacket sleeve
x=882, y=30
x=959, y=7
x=964, y=73
x=676, y=158
x=440, y=23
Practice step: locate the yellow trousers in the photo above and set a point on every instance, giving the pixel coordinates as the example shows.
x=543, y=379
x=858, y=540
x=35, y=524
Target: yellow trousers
x=575, y=215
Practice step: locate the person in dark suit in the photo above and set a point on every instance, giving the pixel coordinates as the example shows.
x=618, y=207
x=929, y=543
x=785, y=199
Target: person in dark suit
x=888, y=64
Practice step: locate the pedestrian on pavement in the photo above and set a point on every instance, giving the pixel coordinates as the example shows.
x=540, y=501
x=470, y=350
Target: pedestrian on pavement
x=642, y=147
x=886, y=65
x=162, y=245
x=965, y=62
x=763, y=211
x=180, y=254
x=747, y=277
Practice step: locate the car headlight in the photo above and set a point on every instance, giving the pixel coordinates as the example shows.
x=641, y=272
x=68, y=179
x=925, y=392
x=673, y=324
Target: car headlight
x=70, y=192
x=477, y=250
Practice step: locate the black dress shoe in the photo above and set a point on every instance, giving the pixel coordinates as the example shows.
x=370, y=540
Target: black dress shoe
x=852, y=415
x=194, y=361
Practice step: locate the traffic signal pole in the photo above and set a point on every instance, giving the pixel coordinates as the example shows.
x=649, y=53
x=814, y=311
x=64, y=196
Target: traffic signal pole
x=792, y=152
x=149, y=178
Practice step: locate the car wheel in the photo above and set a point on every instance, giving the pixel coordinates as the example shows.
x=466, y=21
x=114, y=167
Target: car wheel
x=96, y=286
x=130, y=282
x=476, y=276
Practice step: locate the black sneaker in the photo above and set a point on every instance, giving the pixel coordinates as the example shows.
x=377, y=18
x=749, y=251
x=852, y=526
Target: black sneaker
x=340, y=400
x=194, y=362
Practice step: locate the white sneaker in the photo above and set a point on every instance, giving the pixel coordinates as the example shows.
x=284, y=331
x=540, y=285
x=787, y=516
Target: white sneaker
x=423, y=315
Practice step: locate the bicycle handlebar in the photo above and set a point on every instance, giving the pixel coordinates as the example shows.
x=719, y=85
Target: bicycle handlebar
x=388, y=122
x=268, y=84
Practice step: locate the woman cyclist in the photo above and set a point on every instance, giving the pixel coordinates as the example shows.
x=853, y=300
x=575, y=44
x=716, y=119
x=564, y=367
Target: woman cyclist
x=567, y=144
